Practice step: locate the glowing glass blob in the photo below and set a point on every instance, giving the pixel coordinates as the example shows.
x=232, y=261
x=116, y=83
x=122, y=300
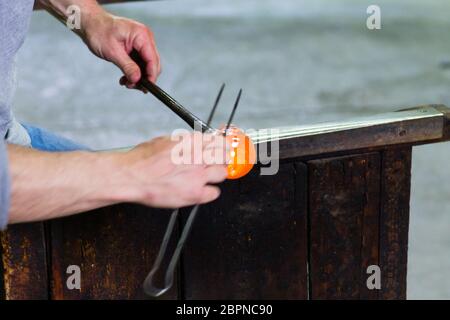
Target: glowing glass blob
x=242, y=153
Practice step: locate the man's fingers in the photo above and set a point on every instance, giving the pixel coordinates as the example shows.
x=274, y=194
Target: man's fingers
x=205, y=195
x=158, y=58
x=216, y=173
x=146, y=48
x=152, y=64
x=209, y=193
x=124, y=82
x=156, y=65
x=129, y=68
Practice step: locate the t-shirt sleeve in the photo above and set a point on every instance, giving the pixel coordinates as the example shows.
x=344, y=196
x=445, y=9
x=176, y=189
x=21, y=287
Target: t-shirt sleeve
x=4, y=186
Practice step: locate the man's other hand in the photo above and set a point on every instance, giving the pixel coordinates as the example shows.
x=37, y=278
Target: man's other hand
x=153, y=177
x=113, y=38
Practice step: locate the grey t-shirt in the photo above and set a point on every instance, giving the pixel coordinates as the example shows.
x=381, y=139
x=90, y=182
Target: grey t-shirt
x=4, y=185
x=14, y=20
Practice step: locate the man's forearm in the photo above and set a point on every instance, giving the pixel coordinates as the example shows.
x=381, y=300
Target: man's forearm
x=59, y=9
x=49, y=185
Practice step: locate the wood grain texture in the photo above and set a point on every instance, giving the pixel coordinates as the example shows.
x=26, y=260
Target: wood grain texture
x=394, y=221
x=115, y=248
x=251, y=244
x=408, y=132
x=24, y=262
x=343, y=208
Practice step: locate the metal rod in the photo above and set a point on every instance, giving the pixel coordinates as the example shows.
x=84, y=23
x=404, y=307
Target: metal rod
x=211, y=114
x=193, y=121
x=236, y=103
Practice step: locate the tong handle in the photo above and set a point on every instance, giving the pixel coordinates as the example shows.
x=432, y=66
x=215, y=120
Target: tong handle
x=149, y=287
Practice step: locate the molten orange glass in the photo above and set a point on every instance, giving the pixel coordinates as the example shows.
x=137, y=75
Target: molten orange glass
x=242, y=153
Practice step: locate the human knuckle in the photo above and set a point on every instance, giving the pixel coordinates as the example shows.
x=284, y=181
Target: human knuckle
x=145, y=144
x=137, y=25
x=159, y=138
x=149, y=32
x=163, y=140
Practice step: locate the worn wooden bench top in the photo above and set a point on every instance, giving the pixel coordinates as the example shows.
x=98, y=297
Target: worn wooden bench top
x=414, y=126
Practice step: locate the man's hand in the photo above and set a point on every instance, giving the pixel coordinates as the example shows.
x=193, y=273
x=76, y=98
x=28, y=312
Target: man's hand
x=157, y=181
x=50, y=185
x=112, y=38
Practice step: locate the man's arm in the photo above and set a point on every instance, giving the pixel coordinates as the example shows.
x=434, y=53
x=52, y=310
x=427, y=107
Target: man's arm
x=112, y=38
x=49, y=185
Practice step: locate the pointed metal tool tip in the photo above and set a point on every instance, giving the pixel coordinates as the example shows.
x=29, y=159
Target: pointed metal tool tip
x=216, y=103
x=233, y=111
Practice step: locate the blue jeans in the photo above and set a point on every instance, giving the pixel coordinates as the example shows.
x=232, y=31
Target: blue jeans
x=45, y=140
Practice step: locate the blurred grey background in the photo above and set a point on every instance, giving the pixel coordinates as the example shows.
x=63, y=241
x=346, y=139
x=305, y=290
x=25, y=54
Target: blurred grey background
x=298, y=61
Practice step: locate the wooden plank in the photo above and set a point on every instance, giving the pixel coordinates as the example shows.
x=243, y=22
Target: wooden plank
x=415, y=126
x=251, y=243
x=394, y=222
x=24, y=262
x=114, y=247
x=343, y=209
